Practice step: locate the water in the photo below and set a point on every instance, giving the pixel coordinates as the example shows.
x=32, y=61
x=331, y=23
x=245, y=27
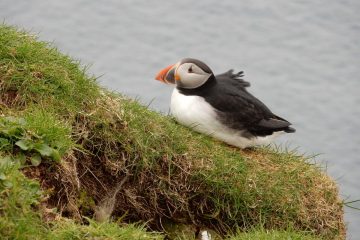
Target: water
x=302, y=58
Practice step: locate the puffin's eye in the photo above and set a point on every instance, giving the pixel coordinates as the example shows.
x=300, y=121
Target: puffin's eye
x=190, y=70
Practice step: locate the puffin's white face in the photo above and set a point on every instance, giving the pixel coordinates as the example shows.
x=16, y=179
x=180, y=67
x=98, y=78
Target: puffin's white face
x=188, y=73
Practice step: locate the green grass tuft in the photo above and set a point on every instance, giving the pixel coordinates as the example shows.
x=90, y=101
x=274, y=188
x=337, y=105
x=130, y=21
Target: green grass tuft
x=35, y=72
x=55, y=132
x=68, y=229
x=18, y=196
x=263, y=234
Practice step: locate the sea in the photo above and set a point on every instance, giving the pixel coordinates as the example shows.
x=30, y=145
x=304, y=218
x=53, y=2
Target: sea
x=302, y=59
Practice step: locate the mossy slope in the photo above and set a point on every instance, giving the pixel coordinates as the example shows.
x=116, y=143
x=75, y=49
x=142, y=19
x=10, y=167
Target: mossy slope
x=98, y=154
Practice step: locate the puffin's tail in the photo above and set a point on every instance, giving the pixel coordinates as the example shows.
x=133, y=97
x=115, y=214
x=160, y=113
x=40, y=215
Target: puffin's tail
x=289, y=130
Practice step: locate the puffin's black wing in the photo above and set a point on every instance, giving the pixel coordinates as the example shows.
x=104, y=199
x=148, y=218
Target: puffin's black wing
x=240, y=110
x=234, y=77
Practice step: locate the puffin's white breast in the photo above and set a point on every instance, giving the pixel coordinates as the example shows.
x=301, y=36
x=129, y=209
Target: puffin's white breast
x=196, y=113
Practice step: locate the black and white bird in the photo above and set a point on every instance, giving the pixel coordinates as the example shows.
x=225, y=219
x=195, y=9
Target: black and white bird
x=220, y=106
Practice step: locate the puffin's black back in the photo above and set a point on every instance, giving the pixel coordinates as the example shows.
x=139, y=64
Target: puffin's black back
x=236, y=107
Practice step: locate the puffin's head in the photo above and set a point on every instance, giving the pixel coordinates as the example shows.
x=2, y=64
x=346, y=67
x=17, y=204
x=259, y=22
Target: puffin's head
x=188, y=73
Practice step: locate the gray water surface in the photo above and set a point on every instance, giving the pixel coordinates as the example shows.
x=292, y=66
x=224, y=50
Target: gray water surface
x=301, y=57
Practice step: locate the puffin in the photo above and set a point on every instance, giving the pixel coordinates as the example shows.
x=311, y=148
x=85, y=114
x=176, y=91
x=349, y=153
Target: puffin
x=220, y=105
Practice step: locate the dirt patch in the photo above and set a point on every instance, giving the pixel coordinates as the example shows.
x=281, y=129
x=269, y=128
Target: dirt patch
x=9, y=98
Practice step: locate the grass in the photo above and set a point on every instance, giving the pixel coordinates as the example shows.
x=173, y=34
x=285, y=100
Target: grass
x=20, y=196
x=262, y=234
x=93, y=154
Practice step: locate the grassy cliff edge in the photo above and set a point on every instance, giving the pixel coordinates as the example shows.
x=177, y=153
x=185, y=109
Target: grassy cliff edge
x=77, y=161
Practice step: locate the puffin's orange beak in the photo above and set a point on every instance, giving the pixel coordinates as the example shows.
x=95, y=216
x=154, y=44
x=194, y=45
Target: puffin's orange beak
x=167, y=75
